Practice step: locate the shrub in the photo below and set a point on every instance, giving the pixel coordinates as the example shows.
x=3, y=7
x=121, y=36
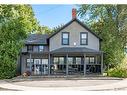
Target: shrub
x=118, y=72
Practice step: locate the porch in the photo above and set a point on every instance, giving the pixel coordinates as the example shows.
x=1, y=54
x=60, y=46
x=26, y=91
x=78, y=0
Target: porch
x=69, y=62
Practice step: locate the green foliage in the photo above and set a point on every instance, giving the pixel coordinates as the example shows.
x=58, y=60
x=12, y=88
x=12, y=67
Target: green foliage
x=16, y=21
x=118, y=72
x=57, y=27
x=43, y=30
x=106, y=21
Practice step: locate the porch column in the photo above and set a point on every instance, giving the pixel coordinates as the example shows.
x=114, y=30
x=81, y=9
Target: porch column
x=102, y=63
x=84, y=65
x=49, y=64
x=67, y=64
x=96, y=59
x=30, y=64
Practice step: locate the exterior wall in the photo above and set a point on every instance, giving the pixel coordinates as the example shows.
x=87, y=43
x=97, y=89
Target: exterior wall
x=35, y=48
x=33, y=56
x=74, y=37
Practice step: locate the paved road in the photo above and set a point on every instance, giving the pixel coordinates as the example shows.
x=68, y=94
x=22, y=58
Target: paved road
x=82, y=85
x=65, y=83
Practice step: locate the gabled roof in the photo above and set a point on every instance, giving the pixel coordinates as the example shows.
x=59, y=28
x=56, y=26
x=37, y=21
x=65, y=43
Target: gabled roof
x=78, y=21
x=35, y=39
x=75, y=50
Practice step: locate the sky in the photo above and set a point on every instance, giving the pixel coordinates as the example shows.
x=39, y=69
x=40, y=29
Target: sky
x=53, y=15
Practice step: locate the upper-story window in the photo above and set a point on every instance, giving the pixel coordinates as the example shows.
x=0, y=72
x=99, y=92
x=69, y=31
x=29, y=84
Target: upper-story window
x=41, y=48
x=29, y=48
x=83, y=38
x=65, y=38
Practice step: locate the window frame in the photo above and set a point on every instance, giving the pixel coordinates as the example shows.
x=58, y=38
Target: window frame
x=63, y=38
x=45, y=60
x=83, y=38
x=93, y=59
x=76, y=60
x=70, y=62
x=28, y=63
x=39, y=49
x=61, y=61
x=89, y=61
x=55, y=60
x=28, y=49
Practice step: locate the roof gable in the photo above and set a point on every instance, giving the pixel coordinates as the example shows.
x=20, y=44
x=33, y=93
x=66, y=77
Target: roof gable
x=80, y=23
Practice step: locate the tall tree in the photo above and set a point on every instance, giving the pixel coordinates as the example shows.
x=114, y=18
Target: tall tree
x=57, y=27
x=106, y=21
x=16, y=21
x=43, y=30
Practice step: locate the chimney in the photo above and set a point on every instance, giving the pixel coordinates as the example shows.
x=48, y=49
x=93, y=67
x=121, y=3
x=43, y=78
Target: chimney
x=73, y=13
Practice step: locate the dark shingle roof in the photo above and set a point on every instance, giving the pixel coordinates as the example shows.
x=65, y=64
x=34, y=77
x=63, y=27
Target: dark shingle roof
x=75, y=50
x=35, y=39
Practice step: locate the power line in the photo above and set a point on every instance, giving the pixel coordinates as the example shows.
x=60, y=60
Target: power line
x=50, y=9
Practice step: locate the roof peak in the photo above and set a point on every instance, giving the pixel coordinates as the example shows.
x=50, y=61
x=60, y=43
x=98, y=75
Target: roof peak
x=80, y=23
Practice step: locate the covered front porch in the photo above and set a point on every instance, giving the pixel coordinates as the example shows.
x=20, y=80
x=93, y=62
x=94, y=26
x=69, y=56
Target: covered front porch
x=69, y=63
x=72, y=64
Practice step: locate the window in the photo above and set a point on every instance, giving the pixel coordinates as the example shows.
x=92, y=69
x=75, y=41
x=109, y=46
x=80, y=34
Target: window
x=70, y=60
x=29, y=48
x=90, y=60
x=55, y=60
x=87, y=60
x=83, y=38
x=58, y=60
x=45, y=61
x=61, y=60
x=78, y=60
x=65, y=38
x=41, y=48
x=28, y=63
x=37, y=61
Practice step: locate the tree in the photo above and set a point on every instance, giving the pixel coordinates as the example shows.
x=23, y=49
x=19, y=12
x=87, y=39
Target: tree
x=57, y=27
x=43, y=30
x=107, y=22
x=16, y=21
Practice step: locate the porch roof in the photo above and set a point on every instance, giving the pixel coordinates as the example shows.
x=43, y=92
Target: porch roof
x=76, y=50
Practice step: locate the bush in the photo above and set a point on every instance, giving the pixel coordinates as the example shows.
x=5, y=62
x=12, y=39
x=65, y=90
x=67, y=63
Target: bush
x=118, y=72
x=7, y=72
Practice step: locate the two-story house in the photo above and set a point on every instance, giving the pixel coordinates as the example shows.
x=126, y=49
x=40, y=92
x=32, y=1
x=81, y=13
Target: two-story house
x=73, y=49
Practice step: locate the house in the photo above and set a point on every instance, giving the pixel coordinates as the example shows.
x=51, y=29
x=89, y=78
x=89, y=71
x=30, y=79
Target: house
x=73, y=49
